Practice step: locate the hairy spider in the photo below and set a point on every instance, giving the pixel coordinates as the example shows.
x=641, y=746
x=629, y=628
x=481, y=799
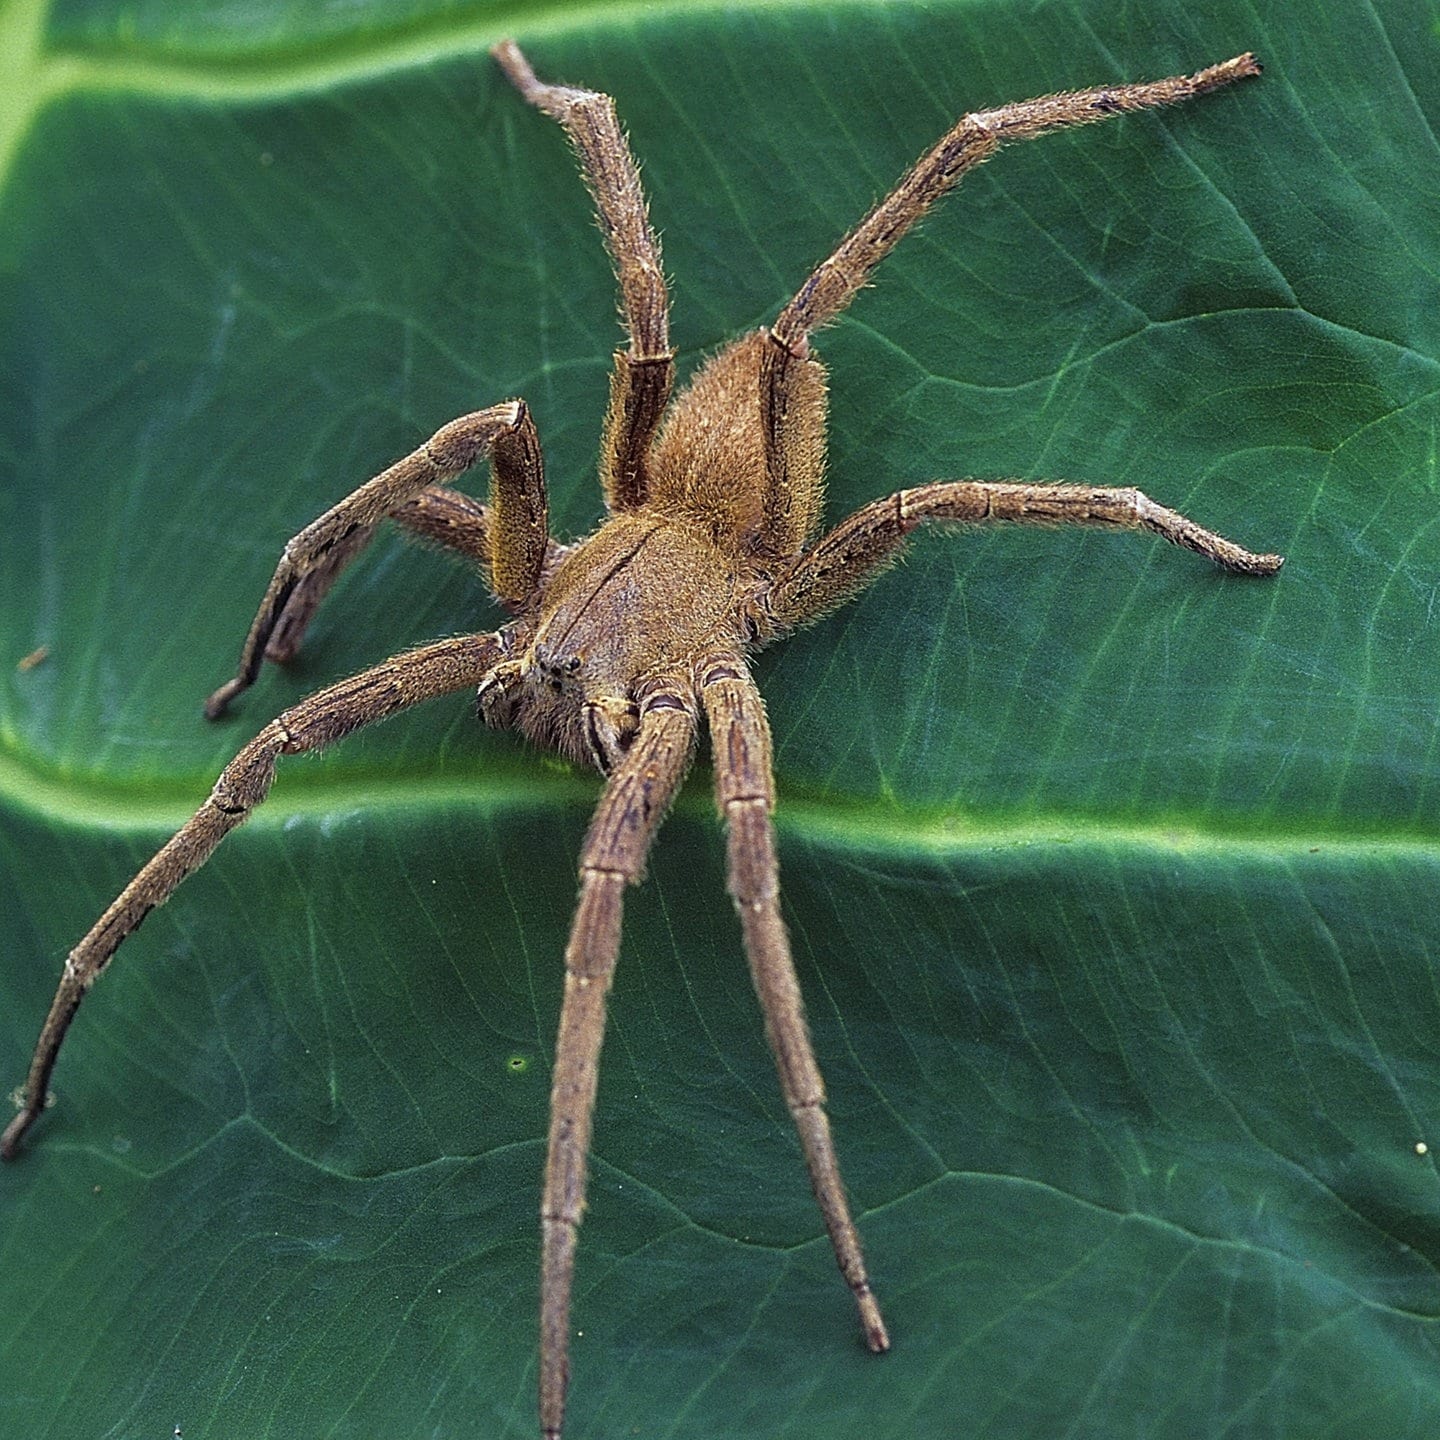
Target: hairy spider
x=620, y=642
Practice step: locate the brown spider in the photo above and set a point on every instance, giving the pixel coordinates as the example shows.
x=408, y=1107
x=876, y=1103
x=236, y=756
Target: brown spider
x=620, y=641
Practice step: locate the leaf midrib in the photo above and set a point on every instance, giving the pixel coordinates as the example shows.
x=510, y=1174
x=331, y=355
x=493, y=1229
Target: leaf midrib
x=532, y=784
x=33, y=72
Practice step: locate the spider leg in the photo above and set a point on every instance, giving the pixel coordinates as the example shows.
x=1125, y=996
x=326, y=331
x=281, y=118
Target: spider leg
x=636, y=797
x=744, y=789
x=836, y=281
x=374, y=694
x=438, y=515
x=309, y=593
x=640, y=383
x=844, y=561
x=516, y=527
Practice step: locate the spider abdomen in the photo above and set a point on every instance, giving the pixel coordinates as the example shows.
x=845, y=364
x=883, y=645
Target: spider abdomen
x=709, y=462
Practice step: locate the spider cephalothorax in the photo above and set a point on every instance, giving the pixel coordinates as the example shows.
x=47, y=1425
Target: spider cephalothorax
x=623, y=643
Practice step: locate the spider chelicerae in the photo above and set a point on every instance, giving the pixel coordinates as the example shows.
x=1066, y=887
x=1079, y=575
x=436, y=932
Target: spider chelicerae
x=620, y=643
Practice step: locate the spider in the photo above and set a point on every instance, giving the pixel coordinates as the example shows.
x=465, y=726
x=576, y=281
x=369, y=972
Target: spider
x=620, y=643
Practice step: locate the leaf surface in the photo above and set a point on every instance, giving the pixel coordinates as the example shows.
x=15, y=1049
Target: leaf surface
x=1110, y=878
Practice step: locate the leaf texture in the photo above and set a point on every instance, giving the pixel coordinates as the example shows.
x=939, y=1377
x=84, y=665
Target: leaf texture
x=1110, y=878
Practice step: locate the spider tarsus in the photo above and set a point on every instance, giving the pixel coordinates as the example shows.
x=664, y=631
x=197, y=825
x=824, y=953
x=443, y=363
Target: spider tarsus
x=1235, y=560
x=511, y=59
x=1261, y=565
x=877, y=1337
x=219, y=702
x=14, y=1133
x=1213, y=77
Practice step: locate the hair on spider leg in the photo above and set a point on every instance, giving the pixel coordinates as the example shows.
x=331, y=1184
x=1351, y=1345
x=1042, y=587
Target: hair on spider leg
x=623, y=646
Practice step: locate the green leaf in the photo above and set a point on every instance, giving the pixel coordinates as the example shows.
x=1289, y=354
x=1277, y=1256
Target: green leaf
x=1111, y=879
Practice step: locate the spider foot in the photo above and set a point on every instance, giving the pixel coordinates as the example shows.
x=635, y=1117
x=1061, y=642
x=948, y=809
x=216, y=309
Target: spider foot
x=877, y=1337
x=15, y=1132
x=219, y=701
